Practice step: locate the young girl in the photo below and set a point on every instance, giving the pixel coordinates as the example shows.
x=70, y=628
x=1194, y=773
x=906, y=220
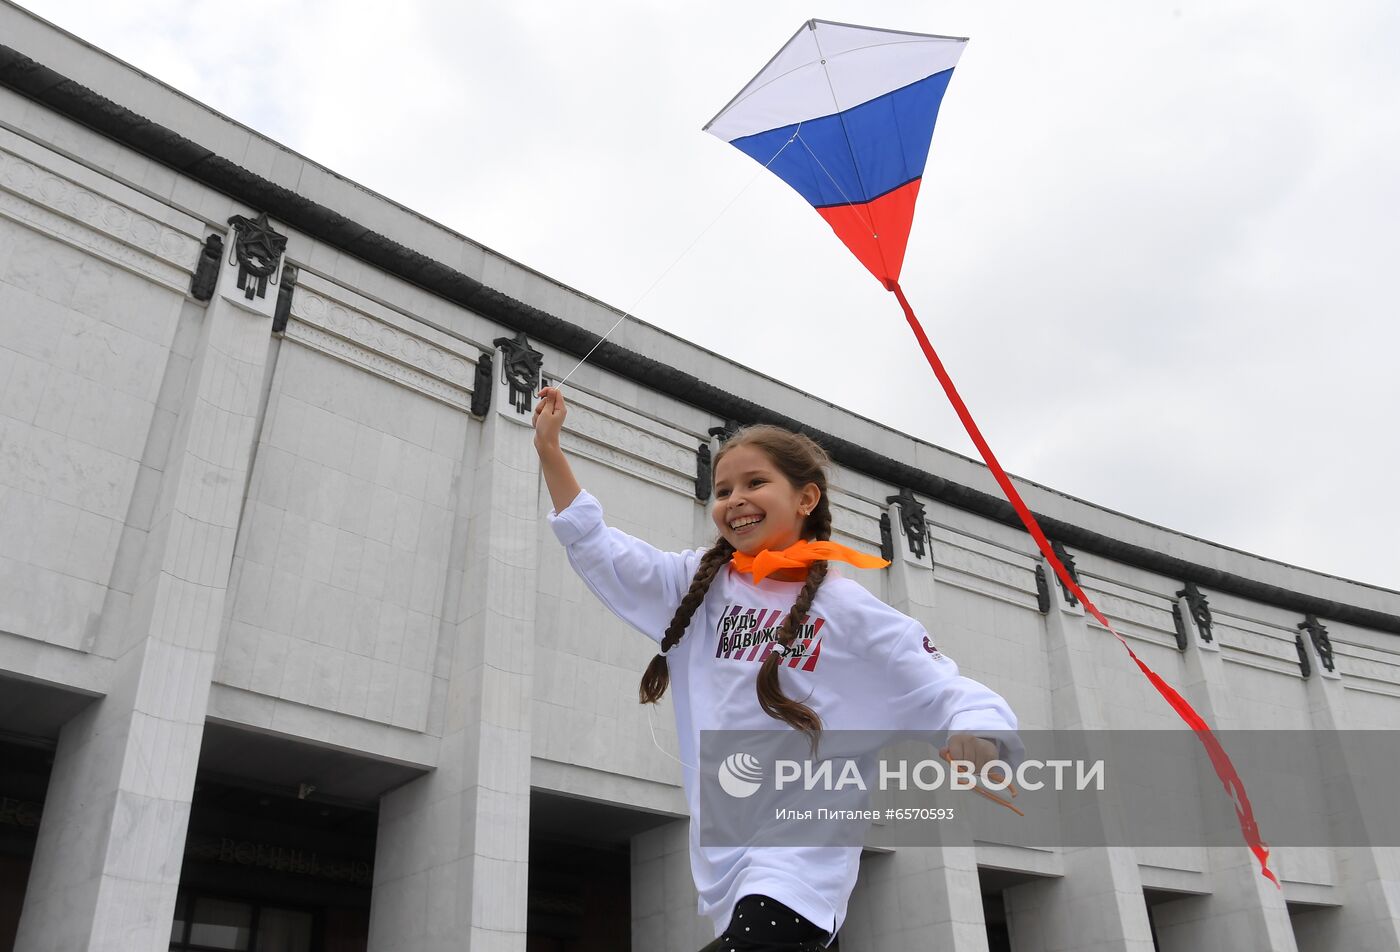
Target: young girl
x=858, y=665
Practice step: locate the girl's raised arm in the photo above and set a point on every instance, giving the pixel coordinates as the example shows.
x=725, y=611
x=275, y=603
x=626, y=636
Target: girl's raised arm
x=641, y=584
x=548, y=421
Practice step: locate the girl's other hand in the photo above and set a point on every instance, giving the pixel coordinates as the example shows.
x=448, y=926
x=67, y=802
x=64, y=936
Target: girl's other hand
x=975, y=750
x=549, y=415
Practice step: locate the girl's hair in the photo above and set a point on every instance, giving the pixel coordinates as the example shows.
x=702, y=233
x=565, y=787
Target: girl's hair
x=802, y=461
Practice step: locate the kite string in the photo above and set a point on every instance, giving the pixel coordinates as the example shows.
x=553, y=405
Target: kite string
x=651, y=719
x=688, y=248
x=870, y=224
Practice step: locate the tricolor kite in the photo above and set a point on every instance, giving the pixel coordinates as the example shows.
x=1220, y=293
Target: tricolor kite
x=845, y=114
x=857, y=108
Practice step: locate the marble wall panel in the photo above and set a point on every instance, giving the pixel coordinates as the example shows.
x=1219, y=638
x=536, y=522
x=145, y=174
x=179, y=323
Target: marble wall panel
x=337, y=590
x=83, y=348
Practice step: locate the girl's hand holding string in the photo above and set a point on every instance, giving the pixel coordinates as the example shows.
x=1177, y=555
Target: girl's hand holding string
x=548, y=419
x=978, y=751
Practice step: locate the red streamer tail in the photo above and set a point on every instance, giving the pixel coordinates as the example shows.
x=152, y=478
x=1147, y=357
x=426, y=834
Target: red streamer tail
x=1224, y=767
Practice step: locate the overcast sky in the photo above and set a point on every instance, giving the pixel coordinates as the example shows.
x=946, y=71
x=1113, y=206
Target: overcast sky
x=1151, y=246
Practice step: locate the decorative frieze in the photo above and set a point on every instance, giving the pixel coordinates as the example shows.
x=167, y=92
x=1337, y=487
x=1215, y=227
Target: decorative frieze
x=358, y=338
x=377, y=363
x=1147, y=616
x=374, y=334
x=604, y=430
x=68, y=212
x=958, y=557
x=1267, y=649
x=601, y=452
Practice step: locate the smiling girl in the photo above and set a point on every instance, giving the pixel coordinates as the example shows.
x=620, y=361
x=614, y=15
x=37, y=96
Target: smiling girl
x=840, y=659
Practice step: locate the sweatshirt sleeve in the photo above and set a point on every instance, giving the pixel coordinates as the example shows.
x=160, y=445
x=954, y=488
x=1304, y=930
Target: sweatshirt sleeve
x=636, y=581
x=928, y=694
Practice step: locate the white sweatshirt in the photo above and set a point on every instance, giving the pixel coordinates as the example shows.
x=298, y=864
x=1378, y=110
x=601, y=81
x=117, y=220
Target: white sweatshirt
x=865, y=666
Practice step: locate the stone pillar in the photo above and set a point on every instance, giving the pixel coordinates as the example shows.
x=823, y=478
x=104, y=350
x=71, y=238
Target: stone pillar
x=1243, y=910
x=453, y=847
x=107, y=862
x=1368, y=876
x=917, y=897
x=663, y=892
x=1098, y=906
x=910, y=573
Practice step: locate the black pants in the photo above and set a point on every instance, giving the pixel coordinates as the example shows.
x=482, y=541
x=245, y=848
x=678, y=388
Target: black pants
x=762, y=924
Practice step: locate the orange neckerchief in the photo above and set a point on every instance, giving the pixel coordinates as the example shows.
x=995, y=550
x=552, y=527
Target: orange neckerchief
x=800, y=555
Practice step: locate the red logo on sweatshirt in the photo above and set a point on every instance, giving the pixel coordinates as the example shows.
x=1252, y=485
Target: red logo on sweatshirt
x=931, y=648
x=750, y=634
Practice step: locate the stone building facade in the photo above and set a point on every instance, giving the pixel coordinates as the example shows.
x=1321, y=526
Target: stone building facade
x=289, y=658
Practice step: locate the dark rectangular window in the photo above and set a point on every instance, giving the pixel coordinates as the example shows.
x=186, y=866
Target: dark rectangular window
x=215, y=924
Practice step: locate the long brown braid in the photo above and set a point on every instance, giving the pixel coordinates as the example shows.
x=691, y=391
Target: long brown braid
x=801, y=461
x=658, y=674
x=770, y=693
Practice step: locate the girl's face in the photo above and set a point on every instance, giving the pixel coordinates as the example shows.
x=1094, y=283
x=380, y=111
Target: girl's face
x=756, y=507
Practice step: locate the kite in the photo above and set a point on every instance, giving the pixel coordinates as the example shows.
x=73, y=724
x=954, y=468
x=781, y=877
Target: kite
x=844, y=114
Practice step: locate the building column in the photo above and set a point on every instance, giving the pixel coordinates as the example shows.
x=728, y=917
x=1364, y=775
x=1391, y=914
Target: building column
x=111, y=843
x=663, y=892
x=1368, y=877
x=1098, y=906
x=1243, y=910
x=451, y=865
x=917, y=897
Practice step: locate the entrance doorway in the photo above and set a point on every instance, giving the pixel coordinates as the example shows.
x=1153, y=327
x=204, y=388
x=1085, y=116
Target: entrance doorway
x=580, y=886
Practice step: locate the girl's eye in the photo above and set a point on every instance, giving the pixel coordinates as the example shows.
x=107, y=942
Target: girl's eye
x=720, y=494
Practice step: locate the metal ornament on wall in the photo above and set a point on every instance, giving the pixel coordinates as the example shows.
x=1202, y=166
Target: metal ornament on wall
x=520, y=369
x=911, y=520
x=257, y=249
x=1042, y=590
x=1200, y=609
x=482, y=386
x=723, y=433
x=206, y=272
x=1067, y=561
x=704, y=478
x=1320, y=641
x=1303, y=662
x=886, y=538
x=284, y=298
x=1180, y=624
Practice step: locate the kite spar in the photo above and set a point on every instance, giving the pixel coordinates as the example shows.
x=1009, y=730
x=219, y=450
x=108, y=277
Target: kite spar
x=845, y=114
